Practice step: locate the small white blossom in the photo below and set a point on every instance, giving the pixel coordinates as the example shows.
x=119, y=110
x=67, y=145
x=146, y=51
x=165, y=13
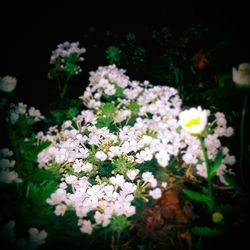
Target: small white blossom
x=37, y=238
x=60, y=209
x=164, y=184
x=201, y=170
x=155, y=193
x=86, y=227
x=8, y=84
x=117, y=180
x=100, y=155
x=5, y=152
x=132, y=173
x=148, y=177
x=71, y=179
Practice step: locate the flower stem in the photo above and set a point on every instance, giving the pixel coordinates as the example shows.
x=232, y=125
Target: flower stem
x=242, y=136
x=209, y=177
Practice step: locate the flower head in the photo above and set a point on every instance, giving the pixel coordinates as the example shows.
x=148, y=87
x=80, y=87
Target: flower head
x=37, y=237
x=65, y=50
x=8, y=84
x=242, y=76
x=193, y=120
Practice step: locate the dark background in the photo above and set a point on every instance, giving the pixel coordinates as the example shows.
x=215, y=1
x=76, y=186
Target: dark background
x=30, y=31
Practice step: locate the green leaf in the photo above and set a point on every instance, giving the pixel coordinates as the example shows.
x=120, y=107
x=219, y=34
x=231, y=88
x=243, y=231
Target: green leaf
x=38, y=194
x=119, y=223
x=134, y=107
x=197, y=196
x=113, y=54
x=223, y=79
x=216, y=164
x=121, y=165
x=72, y=68
x=105, y=169
x=72, y=58
x=206, y=231
x=57, y=115
x=232, y=183
x=71, y=112
x=39, y=175
x=106, y=115
x=119, y=91
x=150, y=166
x=29, y=150
x=43, y=145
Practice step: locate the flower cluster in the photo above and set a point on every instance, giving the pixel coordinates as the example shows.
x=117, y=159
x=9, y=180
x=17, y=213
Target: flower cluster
x=21, y=109
x=65, y=50
x=36, y=237
x=111, y=154
x=7, y=174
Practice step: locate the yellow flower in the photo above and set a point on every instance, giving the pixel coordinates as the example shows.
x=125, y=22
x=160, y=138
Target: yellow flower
x=217, y=217
x=242, y=76
x=193, y=120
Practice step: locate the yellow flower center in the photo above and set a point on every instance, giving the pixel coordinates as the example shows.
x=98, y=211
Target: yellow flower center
x=194, y=121
x=105, y=147
x=245, y=71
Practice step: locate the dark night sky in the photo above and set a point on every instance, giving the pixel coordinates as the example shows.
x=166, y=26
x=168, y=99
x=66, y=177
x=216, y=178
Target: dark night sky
x=30, y=31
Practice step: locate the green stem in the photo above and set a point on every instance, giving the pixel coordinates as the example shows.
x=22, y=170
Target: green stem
x=209, y=177
x=114, y=241
x=63, y=90
x=242, y=136
x=59, y=86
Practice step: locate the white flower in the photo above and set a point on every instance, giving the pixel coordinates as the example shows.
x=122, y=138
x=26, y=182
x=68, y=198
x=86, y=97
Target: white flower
x=86, y=227
x=229, y=132
x=60, y=209
x=57, y=197
x=87, y=167
x=162, y=158
x=37, y=238
x=13, y=117
x=148, y=177
x=6, y=164
x=100, y=155
x=201, y=170
x=117, y=180
x=242, y=76
x=122, y=115
x=114, y=151
x=164, y=184
x=193, y=120
x=8, y=177
x=6, y=152
x=103, y=219
x=129, y=187
x=155, y=193
x=71, y=179
x=8, y=84
x=132, y=173
x=109, y=89
x=129, y=211
x=35, y=113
